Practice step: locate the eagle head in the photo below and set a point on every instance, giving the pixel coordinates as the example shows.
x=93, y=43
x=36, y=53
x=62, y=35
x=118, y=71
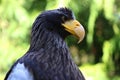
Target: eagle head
x=59, y=21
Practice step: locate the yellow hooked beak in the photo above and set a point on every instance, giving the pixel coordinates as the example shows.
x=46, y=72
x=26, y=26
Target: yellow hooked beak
x=75, y=28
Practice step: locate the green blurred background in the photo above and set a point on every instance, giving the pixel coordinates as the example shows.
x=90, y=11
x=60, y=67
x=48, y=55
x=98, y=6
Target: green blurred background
x=98, y=56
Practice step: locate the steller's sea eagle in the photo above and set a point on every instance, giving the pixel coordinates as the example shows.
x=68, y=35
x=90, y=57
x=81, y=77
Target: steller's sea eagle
x=48, y=57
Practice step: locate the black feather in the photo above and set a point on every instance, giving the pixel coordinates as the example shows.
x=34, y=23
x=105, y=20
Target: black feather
x=48, y=57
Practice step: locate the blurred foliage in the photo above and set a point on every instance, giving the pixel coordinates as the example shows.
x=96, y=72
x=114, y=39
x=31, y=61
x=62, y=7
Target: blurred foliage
x=98, y=54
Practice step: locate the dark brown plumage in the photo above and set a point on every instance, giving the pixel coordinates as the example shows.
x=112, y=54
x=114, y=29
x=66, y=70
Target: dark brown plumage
x=48, y=57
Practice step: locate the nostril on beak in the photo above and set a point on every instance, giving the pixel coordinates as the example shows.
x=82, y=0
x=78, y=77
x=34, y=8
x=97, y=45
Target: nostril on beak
x=77, y=24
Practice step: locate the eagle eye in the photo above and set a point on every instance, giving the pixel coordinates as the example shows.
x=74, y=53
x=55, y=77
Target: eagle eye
x=64, y=18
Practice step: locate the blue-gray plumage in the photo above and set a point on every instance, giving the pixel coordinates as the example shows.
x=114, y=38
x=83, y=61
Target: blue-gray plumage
x=48, y=57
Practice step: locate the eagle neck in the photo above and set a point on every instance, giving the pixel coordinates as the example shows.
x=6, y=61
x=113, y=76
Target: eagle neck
x=54, y=47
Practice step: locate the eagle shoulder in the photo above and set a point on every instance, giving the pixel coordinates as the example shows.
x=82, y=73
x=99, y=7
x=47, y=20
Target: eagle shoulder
x=20, y=72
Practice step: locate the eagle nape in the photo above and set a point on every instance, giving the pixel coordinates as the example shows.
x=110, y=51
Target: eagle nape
x=48, y=57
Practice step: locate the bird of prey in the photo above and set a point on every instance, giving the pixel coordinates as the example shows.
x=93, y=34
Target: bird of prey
x=48, y=57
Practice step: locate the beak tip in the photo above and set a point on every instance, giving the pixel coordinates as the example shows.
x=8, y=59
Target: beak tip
x=79, y=41
x=80, y=32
